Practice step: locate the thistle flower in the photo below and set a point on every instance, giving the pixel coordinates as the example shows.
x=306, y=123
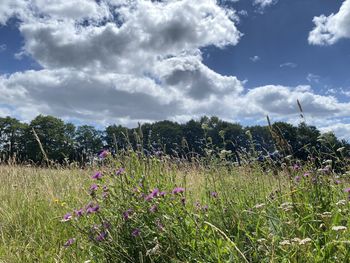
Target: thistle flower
x=127, y=214
x=297, y=179
x=101, y=236
x=120, y=171
x=103, y=154
x=67, y=217
x=214, y=194
x=306, y=174
x=162, y=194
x=69, y=242
x=93, y=209
x=93, y=187
x=178, y=190
x=136, y=232
x=347, y=190
x=79, y=212
x=153, y=208
x=97, y=176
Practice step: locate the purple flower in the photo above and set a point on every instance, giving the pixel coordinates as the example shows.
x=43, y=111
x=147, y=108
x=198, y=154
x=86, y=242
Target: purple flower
x=297, y=179
x=136, y=232
x=306, y=174
x=69, y=242
x=214, y=194
x=79, y=212
x=296, y=167
x=162, y=194
x=337, y=182
x=159, y=224
x=149, y=197
x=153, y=209
x=101, y=236
x=178, y=190
x=97, y=176
x=93, y=187
x=347, y=190
x=205, y=208
x=104, y=195
x=127, y=214
x=93, y=209
x=155, y=192
x=103, y=154
x=120, y=171
x=67, y=217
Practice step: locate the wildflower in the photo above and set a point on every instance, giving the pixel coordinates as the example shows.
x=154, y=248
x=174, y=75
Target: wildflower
x=305, y=241
x=136, y=232
x=159, y=224
x=341, y=202
x=101, y=236
x=214, y=194
x=149, y=197
x=296, y=167
x=178, y=190
x=127, y=214
x=93, y=187
x=261, y=240
x=339, y=228
x=97, y=176
x=153, y=209
x=67, y=217
x=205, y=208
x=104, y=195
x=155, y=192
x=306, y=174
x=337, y=182
x=103, y=154
x=93, y=209
x=162, y=194
x=347, y=190
x=297, y=179
x=326, y=215
x=285, y=243
x=296, y=240
x=120, y=171
x=69, y=242
x=259, y=206
x=79, y=212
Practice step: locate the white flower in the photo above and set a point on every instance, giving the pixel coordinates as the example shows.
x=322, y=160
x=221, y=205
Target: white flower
x=339, y=228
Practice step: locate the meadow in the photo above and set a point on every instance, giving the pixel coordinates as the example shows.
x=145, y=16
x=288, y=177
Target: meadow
x=156, y=209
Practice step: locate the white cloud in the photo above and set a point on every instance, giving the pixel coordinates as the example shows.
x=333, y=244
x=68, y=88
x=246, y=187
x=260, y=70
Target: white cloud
x=329, y=29
x=288, y=65
x=3, y=47
x=264, y=3
x=342, y=130
x=255, y=58
x=313, y=78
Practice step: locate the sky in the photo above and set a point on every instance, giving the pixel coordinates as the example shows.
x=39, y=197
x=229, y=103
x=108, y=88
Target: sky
x=111, y=61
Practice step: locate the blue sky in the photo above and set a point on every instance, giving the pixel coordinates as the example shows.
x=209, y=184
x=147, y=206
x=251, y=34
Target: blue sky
x=279, y=36
x=176, y=59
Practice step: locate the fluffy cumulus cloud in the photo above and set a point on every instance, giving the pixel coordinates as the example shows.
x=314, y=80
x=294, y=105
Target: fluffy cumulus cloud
x=329, y=29
x=264, y=3
x=128, y=61
x=137, y=60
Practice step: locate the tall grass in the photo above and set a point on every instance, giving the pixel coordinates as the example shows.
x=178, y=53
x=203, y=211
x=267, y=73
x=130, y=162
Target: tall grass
x=163, y=210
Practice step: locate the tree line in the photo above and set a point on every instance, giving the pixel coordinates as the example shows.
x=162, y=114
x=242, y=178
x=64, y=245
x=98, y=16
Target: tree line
x=64, y=142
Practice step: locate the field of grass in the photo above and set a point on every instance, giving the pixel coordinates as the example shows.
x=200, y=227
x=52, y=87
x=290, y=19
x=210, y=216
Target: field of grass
x=156, y=210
